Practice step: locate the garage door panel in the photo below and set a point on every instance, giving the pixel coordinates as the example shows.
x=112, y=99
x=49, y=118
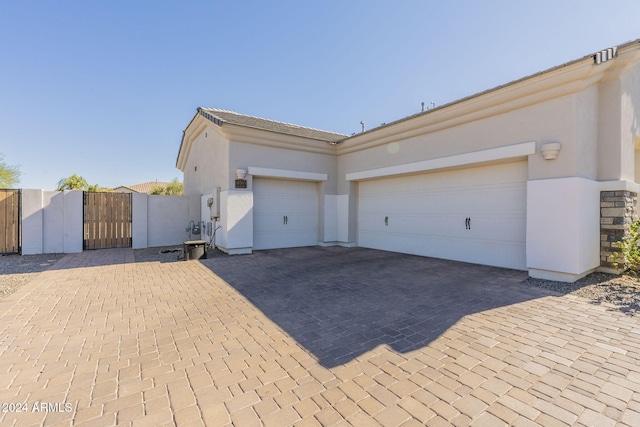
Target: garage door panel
x=495, y=202
x=285, y=213
x=426, y=225
x=501, y=229
x=301, y=222
x=268, y=221
x=266, y=205
x=299, y=238
x=447, y=247
x=303, y=205
x=266, y=240
x=274, y=203
x=426, y=214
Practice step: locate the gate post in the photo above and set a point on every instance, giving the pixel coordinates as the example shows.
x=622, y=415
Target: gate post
x=73, y=224
x=32, y=222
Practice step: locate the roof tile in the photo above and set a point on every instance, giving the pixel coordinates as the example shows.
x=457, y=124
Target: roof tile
x=219, y=117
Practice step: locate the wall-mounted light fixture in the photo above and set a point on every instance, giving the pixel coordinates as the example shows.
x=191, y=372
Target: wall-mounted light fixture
x=550, y=150
x=241, y=182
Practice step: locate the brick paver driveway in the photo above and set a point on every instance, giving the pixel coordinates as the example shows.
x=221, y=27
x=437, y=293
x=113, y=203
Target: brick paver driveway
x=313, y=336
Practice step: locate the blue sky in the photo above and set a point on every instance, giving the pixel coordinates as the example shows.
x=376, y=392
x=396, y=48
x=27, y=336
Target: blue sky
x=104, y=89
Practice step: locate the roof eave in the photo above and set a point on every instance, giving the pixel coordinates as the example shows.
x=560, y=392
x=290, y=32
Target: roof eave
x=583, y=61
x=557, y=81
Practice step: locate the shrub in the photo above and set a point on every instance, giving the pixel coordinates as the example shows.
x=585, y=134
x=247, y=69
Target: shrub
x=174, y=188
x=629, y=255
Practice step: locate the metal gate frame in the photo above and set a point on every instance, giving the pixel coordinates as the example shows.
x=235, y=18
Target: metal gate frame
x=16, y=222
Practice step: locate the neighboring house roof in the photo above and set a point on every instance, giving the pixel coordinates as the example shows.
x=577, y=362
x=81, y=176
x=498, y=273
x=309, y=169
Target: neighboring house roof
x=123, y=189
x=145, y=187
x=220, y=117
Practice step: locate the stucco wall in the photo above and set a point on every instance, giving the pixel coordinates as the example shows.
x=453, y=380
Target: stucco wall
x=139, y=229
x=609, y=131
x=53, y=227
x=210, y=155
x=329, y=233
x=630, y=121
x=236, y=220
x=52, y=221
x=551, y=121
x=167, y=220
x=243, y=155
x=618, y=125
x=163, y=220
x=563, y=228
x=586, y=127
x=32, y=240
x=636, y=155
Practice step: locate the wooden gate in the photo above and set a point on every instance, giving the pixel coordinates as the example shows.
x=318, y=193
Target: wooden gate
x=10, y=211
x=107, y=220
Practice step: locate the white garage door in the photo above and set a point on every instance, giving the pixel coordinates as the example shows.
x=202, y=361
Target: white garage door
x=475, y=214
x=285, y=213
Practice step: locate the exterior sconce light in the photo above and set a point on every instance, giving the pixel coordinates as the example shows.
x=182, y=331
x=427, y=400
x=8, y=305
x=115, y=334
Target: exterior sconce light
x=550, y=150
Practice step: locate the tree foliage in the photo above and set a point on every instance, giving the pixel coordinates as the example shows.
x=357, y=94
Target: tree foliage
x=97, y=189
x=74, y=182
x=174, y=188
x=9, y=175
x=157, y=191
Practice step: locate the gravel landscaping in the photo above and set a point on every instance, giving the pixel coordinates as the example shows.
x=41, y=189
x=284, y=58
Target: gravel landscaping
x=623, y=292
x=17, y=270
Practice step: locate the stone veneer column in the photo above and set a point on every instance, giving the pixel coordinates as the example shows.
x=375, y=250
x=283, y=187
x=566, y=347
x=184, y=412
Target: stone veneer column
x=617, y=211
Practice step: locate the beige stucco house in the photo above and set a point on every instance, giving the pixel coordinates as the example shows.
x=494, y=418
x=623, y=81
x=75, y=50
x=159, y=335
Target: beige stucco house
x=540, y=174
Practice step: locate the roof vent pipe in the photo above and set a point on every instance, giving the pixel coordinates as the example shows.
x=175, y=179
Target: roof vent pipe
x=362, y=123
x=422, y=105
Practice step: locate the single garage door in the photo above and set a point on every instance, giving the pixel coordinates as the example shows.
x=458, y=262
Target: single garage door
x=285, y=213
x=474, y=214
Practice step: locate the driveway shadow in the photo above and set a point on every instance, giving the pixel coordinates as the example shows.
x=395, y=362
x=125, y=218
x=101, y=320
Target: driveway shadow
x=341, y=302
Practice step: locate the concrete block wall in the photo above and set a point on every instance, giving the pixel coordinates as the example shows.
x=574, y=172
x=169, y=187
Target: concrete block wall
x=53, y=221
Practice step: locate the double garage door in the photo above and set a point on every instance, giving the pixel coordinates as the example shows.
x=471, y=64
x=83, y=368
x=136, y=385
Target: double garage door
x=474, y=214
x=285, y=213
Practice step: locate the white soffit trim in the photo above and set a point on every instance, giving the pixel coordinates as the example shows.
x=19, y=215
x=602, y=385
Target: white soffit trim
x=287, y=174
x=483, y=156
